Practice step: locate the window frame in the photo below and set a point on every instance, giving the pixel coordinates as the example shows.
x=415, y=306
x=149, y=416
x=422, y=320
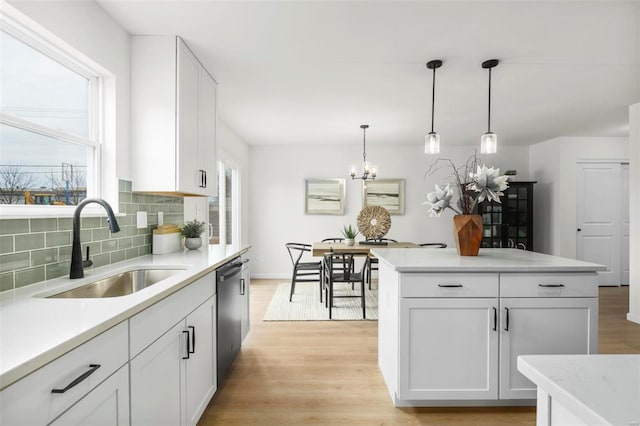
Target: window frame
x=36, y=37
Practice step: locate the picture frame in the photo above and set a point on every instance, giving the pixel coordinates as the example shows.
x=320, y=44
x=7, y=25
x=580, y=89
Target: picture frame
x=388, y=193
x=324, y=196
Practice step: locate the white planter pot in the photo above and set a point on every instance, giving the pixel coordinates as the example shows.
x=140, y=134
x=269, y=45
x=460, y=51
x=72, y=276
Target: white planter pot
x=193, y=243
x=350, y=241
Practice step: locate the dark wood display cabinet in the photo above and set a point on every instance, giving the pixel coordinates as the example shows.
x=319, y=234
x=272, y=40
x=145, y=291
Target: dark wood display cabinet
x=509, y=224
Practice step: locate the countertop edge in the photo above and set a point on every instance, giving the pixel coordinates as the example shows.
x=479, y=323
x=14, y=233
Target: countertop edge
x=20, y=371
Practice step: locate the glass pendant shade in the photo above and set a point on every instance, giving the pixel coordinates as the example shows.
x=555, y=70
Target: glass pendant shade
x=489, y=143
x=432, y=143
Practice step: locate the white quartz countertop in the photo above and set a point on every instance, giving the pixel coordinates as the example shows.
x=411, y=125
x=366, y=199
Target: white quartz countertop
x=35, y=330
x=488, y=260
x=599, y=389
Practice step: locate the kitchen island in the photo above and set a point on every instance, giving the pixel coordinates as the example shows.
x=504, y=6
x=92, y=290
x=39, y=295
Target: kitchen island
x=585, y=389
x=450, y=328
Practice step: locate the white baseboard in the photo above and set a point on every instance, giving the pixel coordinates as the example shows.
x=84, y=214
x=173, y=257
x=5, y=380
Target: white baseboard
x=271, y=276
x=633, y=317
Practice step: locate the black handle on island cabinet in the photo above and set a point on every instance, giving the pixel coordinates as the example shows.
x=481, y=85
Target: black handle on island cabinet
x=506, y=327
x=79, y=379
x=495, y=319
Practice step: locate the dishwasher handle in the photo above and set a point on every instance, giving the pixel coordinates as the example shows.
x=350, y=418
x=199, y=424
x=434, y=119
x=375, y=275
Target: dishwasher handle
x=229, y=271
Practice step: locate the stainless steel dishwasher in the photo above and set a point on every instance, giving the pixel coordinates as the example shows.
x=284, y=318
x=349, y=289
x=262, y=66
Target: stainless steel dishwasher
x=229, y=290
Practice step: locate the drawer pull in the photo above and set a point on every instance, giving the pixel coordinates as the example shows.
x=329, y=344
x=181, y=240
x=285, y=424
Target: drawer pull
x=551, y=285
x=92, y=369
x=450, y=285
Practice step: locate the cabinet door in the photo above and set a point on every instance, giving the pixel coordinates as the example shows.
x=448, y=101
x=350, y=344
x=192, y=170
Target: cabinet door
x=201, y=365
x=541, y=326
x=107, y=404
x=158, y=381
x=448, y=349
x=207, y=133
x=189, y=176
x=245, y=290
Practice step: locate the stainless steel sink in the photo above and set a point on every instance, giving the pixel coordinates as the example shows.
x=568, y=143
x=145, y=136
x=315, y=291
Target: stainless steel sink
x=119, y=285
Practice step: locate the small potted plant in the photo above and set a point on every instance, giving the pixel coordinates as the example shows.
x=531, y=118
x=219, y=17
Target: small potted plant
x=191, y=232
x=350, y=235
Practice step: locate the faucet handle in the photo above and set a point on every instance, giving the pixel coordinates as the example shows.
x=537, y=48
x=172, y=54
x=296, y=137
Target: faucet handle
x=87, y=262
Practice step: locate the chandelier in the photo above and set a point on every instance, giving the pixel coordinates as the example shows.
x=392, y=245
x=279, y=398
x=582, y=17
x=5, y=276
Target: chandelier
x=368, y=171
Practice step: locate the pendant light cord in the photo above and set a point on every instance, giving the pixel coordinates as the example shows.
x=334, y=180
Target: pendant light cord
x=433, y=97
x=364, y=145
x=489, y=109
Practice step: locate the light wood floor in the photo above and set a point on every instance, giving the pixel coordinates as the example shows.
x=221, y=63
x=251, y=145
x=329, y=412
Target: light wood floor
x=326, y=373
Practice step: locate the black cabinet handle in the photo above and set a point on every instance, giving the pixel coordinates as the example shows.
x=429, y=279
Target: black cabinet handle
x=242, y=289
x=495, y=319
x=188, y=348
x=205, y=178
x=92, y=369
x=551, y=285
x=506, y=326
x=193, y=339
x=450, y=285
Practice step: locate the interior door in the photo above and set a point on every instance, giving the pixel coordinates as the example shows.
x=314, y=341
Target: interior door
x=598, y=231
x=626, y=212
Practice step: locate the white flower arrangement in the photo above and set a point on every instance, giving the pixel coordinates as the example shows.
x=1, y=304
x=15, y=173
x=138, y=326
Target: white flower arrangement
x=474, y=184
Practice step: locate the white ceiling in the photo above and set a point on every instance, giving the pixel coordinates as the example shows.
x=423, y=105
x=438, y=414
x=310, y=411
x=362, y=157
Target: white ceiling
x=313, y=71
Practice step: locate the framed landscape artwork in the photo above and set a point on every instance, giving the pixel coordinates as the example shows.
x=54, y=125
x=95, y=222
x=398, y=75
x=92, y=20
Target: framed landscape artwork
x=324, y=196
x=388, y=193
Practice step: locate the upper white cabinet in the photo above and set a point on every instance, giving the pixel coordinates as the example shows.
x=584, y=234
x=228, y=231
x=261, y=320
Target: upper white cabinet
x=173, y=104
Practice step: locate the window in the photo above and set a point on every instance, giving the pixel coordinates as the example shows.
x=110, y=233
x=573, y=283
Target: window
x=50, y=112
x=227, y=202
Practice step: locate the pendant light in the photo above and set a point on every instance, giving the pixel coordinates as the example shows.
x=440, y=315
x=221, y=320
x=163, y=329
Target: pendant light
x=489, y=140
x=432, y=139
x=369, y=172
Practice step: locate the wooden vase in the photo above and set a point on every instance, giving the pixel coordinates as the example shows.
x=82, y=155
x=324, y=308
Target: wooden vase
x=467, y=229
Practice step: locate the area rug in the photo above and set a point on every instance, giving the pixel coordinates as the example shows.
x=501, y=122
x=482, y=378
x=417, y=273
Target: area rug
x=306, y=306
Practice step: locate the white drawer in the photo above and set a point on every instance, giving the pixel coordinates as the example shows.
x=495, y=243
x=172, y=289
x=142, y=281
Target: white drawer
x=30, y=401
x=449, y=285
x=153, y=322
x=552, y=284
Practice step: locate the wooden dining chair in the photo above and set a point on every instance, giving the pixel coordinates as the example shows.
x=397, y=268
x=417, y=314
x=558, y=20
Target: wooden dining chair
x=340, y=272
x=303, y=271
x=373, y=262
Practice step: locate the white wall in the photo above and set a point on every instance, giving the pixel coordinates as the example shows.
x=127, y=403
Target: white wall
x=89, y=29
x=634, y=204
x=277, y=194
x=553, y=164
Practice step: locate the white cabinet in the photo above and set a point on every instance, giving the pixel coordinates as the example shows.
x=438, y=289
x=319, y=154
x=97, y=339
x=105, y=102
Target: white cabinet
x=542, y=316
x=173, y=378
x=173, y=123
x=200, y=365
x=84, y=372
x=456, y=336
x=245, y=290
x=157, y=381
x=106, y=405
x=449, y=349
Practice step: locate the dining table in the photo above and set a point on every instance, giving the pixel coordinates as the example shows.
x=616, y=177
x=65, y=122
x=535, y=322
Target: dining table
x=320, y=248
